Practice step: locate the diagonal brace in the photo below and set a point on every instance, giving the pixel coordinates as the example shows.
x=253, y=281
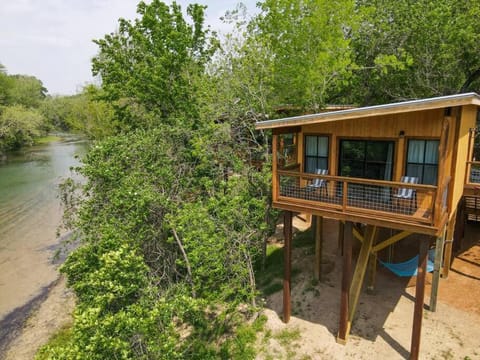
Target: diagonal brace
x=360, y=269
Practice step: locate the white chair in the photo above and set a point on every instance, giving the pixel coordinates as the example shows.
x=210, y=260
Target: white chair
x=407, y=193
x=318, y=183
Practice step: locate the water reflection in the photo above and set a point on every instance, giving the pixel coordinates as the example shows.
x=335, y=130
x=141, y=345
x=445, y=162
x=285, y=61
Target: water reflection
x=29, y=215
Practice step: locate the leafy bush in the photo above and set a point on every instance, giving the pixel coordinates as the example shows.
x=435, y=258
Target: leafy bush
x=19, y=126
x=167, y=247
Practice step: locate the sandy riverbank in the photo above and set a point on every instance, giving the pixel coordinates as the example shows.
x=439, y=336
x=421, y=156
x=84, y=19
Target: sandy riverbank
x=46, y=315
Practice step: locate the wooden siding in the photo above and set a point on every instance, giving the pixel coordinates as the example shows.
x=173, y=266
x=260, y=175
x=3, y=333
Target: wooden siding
x=418, y=124
x=462, y=151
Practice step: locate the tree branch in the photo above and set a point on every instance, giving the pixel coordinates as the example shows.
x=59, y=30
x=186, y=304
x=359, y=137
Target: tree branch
x=187, y=263
x=471, y=78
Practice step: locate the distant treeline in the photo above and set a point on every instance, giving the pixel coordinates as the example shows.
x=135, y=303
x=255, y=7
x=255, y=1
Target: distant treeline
x=27, y=112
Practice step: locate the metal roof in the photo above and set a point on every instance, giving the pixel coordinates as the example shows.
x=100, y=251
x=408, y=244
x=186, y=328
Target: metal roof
x=376, y=110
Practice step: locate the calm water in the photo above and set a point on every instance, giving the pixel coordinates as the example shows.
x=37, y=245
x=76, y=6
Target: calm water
x=30, y=213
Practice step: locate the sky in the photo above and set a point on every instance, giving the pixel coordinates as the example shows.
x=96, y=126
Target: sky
x=52, y=39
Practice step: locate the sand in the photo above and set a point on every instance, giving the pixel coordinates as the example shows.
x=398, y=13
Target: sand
x=51, y=315
x=383, y=323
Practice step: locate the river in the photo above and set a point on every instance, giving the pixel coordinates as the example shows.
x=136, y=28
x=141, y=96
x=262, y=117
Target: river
x=30, y=212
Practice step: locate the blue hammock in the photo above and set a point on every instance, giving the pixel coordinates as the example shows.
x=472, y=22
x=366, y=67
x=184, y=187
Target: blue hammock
x=409, y=267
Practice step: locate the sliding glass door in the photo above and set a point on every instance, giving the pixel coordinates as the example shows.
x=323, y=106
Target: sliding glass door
x=368, y=159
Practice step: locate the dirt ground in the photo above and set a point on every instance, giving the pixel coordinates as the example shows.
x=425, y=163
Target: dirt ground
x=383, y=322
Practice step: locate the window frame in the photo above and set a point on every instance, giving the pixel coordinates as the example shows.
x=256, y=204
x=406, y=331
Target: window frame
x=423, y=164
x=317, y=157
x=365, y=161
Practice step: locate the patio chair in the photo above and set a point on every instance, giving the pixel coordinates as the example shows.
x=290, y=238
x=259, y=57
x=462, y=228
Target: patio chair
x=317, y=183
x=408, y=193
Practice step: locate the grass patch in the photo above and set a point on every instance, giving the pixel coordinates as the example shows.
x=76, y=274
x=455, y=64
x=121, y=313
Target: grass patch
x=303, y=239
x=287, y=336
x=269, y=279
x=272, y=288
x=242, y=345
x=57, y=341
x=447, y=354
x=47, y=139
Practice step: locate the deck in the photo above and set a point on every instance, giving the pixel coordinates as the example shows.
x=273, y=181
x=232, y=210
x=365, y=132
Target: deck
x=472, y=191
x=369, y=201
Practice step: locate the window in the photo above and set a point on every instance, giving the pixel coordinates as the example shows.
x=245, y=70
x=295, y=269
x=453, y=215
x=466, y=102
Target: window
x=422, y=160
x=316, y=153
x=366, y=159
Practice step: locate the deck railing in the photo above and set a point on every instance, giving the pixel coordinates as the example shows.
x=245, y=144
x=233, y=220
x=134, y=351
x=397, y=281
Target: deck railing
x=386, y=199
x=473, y=172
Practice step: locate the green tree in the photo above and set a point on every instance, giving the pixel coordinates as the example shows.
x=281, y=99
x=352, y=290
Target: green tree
x=5, y=85
x=415, y=49
x=156, y=203
x=19, y=126
x=310, y=45
x=151, y=65
x=27, y=91
x=84, y=112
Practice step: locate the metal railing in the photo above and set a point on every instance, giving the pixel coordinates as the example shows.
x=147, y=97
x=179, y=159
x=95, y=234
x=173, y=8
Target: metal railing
x=473, y=172
x=387, y=199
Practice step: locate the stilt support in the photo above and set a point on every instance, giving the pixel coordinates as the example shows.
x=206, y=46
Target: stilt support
x=448, y=246
x=287, y=265
x=419, y=299
x=437, y=269
x=372, y=272
x=357, y=233
x=360, y=269
x=318, y=246
x=344, y=328
x=341, y=231
x=391, y=240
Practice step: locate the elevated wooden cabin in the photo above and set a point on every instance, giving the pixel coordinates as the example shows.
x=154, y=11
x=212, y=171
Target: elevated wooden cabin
x=353, y=165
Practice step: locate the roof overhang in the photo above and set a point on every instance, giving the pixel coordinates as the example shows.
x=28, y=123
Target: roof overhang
x=377, y=110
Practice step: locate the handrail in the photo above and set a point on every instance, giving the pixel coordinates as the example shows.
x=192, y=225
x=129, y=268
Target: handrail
x=358, y=180
x=420, y=208
x=469, y=168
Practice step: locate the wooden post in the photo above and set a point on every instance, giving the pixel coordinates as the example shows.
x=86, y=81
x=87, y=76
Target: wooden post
x=439, y=244
x=341, y=231
x=372, y=272
x=287, y=264
x=318, y=246
x=360, y=270
x=275, y=179
x=447, y=258
x=345, y=196
x=471, y=142
x=419, y=298
x=344, y=329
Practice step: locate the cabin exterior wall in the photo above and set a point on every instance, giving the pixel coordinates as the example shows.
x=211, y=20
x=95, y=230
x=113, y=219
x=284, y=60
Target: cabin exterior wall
x=367, y=186
x=463, y=149
x=420, y=125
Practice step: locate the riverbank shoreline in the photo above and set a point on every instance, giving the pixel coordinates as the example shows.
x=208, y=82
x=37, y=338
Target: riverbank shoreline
x=28, y=327
x=32, y=325
x=30, y=248
x=12, y=324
